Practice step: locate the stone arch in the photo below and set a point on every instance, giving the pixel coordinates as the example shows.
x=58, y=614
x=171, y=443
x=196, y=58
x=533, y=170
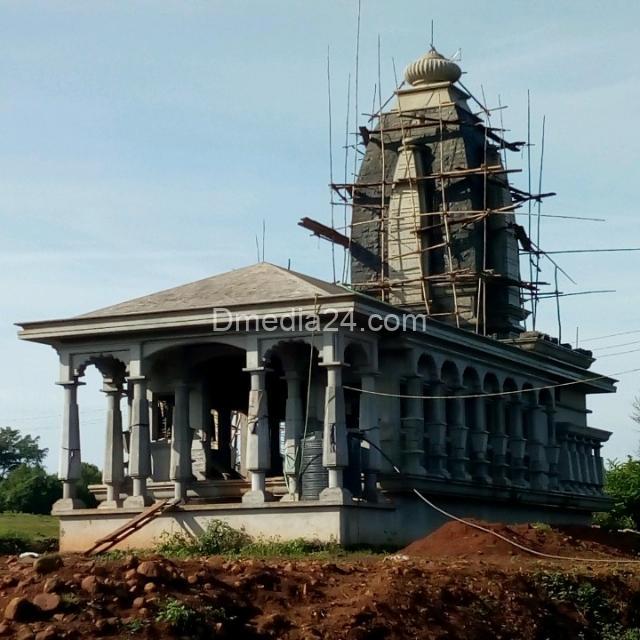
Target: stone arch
x=490, y=383
x=529, y=395
x=290, y=355
x=360, y=354
x=450, y=375
x=427, y=368
x=210, y=374
x=110, y=370
x=510, y=385
x=111, y=367
x=356, y=357
x=288, y=349
x=546, y=399
x=154, y=349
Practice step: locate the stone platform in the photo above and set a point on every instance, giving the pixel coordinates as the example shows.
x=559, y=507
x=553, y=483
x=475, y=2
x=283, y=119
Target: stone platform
x=392, y=524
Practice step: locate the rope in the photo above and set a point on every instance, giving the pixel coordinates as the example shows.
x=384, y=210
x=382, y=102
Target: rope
x=473, y=525
x=493, y=393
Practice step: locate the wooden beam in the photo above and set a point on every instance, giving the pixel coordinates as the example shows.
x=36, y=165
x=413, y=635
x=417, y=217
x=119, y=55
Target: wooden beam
x=325, y=232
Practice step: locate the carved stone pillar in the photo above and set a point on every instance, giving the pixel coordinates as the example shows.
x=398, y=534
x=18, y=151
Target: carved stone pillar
x=593, y=467
x=459, y=433
x=499, y=443
x=518, y=443
x=583, y=454
x=335, y=454
x=370, y=428
x=599, y=467
x=437, y=427
x=552, y=449
x=180, y=457
x=293, y=427
x=258, y=445
x=201, y=421
x=413, y=428
x=480, y=442
x=139, y=444
x=70, y=460
x=113, y=471
x=576, y=467
x=537, y=449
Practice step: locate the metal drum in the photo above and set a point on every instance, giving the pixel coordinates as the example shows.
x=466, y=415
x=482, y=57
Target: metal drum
x=314, y=477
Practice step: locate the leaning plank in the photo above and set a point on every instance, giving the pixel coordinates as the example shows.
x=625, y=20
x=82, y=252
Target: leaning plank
x=131, y=526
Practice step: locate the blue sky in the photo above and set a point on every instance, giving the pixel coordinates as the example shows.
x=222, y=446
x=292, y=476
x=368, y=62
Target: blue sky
x=142, y=144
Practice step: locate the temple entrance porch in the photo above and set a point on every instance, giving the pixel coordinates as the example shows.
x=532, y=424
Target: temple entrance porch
x=224, y=420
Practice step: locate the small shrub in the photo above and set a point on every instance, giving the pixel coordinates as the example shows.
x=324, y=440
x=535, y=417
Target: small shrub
x=135, y=626
x=590, y=601
x=622, y=485
x=217, y=614
x=218, y=538
x=615, y=632
x=184, y=619
x=221, y=539
x=113, y=555
x=12, y=543
x=613, y=520
x=298, y=547
x=178, y=615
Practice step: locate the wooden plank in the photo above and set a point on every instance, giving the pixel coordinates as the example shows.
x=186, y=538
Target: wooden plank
x=141, y=516
x=325, y=232
x=131, y=526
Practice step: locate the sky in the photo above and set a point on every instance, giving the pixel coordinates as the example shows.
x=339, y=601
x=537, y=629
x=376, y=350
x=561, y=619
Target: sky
x=143, y=144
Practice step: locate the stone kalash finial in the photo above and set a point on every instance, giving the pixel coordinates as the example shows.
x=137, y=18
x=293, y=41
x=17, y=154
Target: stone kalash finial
x=431, y=68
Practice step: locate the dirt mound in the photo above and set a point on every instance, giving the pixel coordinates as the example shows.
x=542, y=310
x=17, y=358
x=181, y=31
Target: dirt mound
x=459, y=540
x=353, y=598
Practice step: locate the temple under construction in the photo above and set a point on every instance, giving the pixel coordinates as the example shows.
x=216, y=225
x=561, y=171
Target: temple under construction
x=300, y=430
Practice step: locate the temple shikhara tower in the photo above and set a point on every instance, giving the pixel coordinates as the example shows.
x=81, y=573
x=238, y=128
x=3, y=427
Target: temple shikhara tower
x=433, y=228
x=294, y=428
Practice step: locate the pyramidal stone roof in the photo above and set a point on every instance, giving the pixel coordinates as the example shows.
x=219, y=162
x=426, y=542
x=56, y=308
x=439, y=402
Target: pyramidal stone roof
x=258, y=283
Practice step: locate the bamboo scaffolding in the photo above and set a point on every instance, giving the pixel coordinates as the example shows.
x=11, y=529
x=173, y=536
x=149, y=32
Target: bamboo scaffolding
x=445, y=216
x=384, y=174
x=456, y=173
x=446, y=219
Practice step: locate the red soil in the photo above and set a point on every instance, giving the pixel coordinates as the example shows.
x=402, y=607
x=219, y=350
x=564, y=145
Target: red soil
x=458, y=540
x=470, y=587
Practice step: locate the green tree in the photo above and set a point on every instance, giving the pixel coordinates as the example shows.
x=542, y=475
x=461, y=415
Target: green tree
x=622, y=484
x=89, y=474
x=16, y=450
x=29, y=489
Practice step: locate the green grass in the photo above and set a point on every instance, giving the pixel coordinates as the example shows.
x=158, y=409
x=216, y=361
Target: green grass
x=27, y=532
x=221, y=539
x=29, y=525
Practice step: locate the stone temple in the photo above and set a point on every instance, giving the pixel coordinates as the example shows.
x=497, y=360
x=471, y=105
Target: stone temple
x=286, y=413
